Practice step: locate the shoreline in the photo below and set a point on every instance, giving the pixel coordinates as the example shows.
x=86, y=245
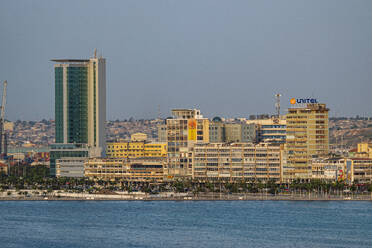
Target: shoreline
x=96, y=197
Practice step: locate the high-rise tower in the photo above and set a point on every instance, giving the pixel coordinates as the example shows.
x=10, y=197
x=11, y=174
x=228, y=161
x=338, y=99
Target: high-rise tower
x=80, y=111
x=80, y=101
x=307, y=138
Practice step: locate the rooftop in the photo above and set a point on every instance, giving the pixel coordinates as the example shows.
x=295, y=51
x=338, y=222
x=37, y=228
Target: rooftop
x=70, y=60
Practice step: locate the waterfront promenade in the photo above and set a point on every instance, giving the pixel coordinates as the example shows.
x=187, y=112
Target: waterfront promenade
x=171, y=196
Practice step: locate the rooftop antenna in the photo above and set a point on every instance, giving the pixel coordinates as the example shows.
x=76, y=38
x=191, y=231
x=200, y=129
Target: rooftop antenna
x=277, y=105
x=95, y=53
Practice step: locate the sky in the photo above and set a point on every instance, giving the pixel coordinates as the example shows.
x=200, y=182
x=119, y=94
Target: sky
x=227, y=58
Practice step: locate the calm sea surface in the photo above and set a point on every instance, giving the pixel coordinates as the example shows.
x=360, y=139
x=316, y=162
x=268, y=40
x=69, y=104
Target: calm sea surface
x=185, y=224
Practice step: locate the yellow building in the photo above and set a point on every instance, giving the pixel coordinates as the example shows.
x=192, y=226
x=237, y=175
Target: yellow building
x=306, y=138
x=184, y=130
x=135, y=149
x=365, y=150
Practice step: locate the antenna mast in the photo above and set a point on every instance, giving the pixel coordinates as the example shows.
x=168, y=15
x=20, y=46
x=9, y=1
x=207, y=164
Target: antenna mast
x=277, y=105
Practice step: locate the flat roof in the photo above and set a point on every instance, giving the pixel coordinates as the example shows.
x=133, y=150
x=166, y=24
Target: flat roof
x=183, y=109
x=70, y=60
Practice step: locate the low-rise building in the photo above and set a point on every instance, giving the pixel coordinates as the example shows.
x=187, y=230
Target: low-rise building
x=364, y=150
x=127, y=169
x=135, y=149
x=70, y=167
x=329, y=169
x=138, y=137
x=69, y=151
x=359, y=170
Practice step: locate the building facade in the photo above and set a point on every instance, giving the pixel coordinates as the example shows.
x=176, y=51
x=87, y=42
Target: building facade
x=162, y=133
x=80, y=101
x=134, y=169
x=328, y=169
x=306, y=138
x=364, y=150
x=80, y=109
x=68, y=152
x=237, y=161
x=135, y=149
x=188, y=127
x=70, y=167
x=358, y=170
x=220, y=132
x=217, y=132
x=270, y=130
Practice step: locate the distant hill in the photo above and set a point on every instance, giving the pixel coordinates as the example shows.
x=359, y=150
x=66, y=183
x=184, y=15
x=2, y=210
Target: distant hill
x=350, y=131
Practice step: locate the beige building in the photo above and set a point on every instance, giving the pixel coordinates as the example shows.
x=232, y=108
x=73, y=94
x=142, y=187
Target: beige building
x=306, y=138
x=134, y=169
x=162, y=133
x=237, y=161
x=8, y=126
x=328, y=169
x=135, y=149
x=359, y=170
x=270, y=130
x=138, y=137
x=220, y=132
x=70, y=167
x=365, y=150
x=187, y=128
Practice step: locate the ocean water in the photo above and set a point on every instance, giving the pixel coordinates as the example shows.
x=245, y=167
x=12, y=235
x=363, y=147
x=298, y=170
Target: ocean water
x=185, y=224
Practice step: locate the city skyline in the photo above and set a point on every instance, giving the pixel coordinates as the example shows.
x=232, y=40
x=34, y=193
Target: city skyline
x=229, y=59
x=186, y=123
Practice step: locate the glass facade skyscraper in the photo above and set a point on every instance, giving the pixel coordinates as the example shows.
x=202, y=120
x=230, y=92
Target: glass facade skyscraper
x=80, y=102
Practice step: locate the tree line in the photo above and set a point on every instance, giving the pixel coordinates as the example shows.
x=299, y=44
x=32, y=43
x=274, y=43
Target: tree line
x=23, y=177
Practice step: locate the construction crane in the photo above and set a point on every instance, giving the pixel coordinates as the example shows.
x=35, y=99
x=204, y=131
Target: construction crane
x=3, y=136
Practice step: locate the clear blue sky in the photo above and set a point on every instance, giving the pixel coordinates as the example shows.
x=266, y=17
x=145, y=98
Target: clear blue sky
x=227, y=58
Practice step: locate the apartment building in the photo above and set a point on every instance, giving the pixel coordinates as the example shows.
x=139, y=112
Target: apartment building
x=127, y=169
x=220, y=132
x=365, y=150
x=328, y=169
x=135, y=149
x=306, y=138
x=237, y=161
x=184, y=130
x=270, y=130
x=359, y=170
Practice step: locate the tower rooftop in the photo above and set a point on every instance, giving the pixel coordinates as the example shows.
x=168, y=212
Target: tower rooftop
x=70, y=60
